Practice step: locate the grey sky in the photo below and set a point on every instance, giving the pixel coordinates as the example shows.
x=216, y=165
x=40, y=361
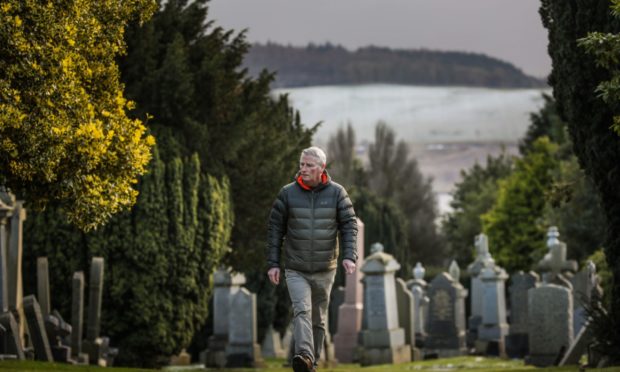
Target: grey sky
x=507, y=29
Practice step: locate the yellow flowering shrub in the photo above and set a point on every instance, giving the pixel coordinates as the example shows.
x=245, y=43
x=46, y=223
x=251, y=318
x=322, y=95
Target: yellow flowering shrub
x=64, y=131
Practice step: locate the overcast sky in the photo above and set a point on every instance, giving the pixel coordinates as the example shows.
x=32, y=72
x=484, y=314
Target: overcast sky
x=507, y=29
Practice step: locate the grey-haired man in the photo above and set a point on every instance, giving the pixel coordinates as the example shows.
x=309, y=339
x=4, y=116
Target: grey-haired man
x=306, y=218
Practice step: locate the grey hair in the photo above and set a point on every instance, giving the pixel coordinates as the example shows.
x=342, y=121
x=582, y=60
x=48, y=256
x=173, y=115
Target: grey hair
x=317, y=153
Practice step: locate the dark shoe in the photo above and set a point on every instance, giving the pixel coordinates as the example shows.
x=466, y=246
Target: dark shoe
x=302, y=363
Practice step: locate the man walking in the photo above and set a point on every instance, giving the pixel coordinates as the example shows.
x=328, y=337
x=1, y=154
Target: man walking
x=306, y=218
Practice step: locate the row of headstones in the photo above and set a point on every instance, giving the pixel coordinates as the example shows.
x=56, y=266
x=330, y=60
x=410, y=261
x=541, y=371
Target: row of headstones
x=50, y=337
x=548, y=321
x=543, y=315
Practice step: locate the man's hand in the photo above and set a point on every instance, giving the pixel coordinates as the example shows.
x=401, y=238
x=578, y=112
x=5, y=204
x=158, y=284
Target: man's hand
x=349, y=266
x=274, y=275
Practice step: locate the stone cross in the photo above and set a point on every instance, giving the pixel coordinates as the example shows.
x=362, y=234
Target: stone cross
x=350, y=312
x=43, y=286
x=555, y=263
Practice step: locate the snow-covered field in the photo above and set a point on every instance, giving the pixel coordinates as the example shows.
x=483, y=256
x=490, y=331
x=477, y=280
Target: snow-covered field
x=419, y=114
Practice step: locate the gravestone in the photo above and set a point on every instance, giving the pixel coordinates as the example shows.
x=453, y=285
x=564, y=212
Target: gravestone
x=77, y=318
x=242, y=349
x=11, y=343
x=336, y=299
x=418, y=286
x=98, y=348
x=550, y=323
x=43, y=286
x=582, y=294
x=383, y=340
x=6, y=211
x=406, y=315
x=350, y=313
x=554, y=265
x=14, y=268
x=446, y=337
x=461, y=296
x=36, y=328
x=57, y=330
x=483, y=259
x=226, y=284
x=271, y=346
x=493, y=326
x=517, y=339
x=93, y=344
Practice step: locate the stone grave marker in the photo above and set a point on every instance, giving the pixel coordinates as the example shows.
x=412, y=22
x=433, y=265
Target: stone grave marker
x=550, y=323
x=11, y=343
x=336, y=300
x=43, y=286
x=517, y=339
x=383, y=341
x=445, y=335
x=350, y=313
x=226, y=284
x=418, y=286
x=57, y=330
x=483, y=259
x=271, y=346
x=14, y=268
x=406, y=315
x=36, y=327
x=77, y=318
x=493, y=327
x=242, y=349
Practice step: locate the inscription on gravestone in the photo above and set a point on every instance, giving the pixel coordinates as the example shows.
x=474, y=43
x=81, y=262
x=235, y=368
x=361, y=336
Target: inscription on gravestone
x=443, y=305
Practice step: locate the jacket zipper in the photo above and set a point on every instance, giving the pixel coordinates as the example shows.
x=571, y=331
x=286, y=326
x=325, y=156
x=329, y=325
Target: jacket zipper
x=312, y=231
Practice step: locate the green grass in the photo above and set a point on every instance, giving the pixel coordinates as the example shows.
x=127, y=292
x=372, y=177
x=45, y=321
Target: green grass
x=471, y=363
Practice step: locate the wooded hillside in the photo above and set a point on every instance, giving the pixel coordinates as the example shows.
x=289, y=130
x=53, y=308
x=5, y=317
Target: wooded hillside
x=331, y=65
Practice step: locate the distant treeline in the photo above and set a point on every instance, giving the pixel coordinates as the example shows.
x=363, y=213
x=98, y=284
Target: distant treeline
x=330, y=65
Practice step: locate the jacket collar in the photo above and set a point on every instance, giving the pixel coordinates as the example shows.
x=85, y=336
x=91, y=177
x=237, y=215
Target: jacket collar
x=325, y=180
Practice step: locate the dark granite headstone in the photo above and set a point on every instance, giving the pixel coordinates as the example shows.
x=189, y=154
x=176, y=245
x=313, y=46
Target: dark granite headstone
x=36, y=326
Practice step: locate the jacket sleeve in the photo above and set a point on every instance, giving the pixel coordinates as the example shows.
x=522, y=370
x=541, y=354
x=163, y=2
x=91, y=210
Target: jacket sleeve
x=276, y=229
x=347, y=225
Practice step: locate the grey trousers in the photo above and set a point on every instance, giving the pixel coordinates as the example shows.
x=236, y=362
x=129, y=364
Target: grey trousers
x=310, y=297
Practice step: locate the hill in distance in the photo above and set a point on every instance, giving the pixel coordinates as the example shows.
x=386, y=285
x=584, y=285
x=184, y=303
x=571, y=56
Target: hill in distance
x=335, y=65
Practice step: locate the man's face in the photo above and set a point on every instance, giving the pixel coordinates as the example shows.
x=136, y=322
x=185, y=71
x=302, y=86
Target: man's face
x=310, y=169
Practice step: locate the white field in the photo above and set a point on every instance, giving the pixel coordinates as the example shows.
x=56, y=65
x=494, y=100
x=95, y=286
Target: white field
x=419, y=114
x=448, y=128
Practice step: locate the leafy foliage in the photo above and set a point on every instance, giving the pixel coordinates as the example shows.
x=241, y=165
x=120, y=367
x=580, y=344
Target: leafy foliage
x=575, y=78
x=513, y=225
x=64, y=131
x=475, y=195
x=158, y=257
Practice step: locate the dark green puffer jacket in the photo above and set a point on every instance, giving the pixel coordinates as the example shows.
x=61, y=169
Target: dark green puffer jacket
x=308, y=222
